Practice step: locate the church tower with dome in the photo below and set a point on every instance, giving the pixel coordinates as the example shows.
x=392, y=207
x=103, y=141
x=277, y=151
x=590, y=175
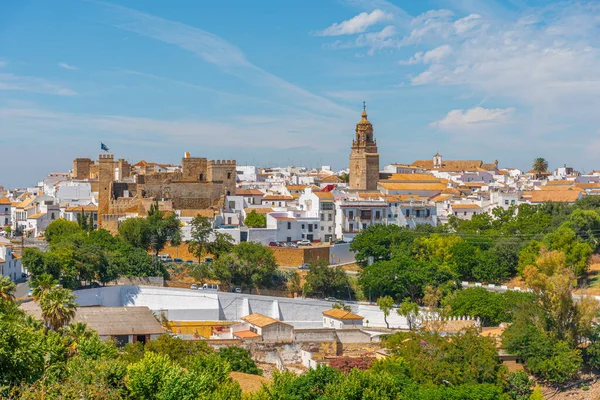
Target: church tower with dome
x=364, y=159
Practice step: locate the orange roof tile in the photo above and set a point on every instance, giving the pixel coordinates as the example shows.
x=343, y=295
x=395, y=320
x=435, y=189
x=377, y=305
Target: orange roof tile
x=560, y=182
x=36, y=216
x=324, y=195
x=246, y=334
x=413, y=186
x=285, y=218
x=465, y=206
x=331, y=179
x=261, y=320
x=559, y=188
x=248, y=192
x=88, y=208
x=450, y=165
x=295, y=187
x=341, y=314
x=555, y=196
x=272, y=197
x=5, y=201
x=413, y=178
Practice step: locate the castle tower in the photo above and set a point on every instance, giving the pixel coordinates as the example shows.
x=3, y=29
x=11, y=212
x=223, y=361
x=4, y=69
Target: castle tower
x=106, y=176
x=437, y=160
x=364, y=159
x=81, y=168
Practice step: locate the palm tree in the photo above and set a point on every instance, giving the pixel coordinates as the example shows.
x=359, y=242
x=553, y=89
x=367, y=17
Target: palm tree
x=58, y=307
x=42, y=283
x=540, y=165
x=75, y=332
x=7, y=287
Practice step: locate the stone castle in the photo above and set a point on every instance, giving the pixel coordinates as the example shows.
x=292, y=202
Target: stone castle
x=125, y=189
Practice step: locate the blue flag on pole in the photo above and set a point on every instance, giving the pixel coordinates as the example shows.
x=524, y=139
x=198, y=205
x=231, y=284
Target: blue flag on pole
x=103, y=147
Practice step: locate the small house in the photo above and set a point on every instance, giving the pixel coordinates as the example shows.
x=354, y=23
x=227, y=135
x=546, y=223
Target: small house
x=340, y=319
x=261, y=327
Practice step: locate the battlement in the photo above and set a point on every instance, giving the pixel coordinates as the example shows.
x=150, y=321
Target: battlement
x=110, y=157
x=222, y=162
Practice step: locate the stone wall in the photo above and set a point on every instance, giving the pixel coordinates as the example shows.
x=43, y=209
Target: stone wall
x=193, y=169
x=294, y=257
x=186, y=195
x=81, y=168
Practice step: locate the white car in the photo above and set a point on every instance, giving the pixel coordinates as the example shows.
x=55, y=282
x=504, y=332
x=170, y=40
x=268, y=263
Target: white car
x=194, y=287
x=304, y=243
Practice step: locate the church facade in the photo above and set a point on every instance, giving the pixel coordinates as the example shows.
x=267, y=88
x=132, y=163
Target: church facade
x=364, y=159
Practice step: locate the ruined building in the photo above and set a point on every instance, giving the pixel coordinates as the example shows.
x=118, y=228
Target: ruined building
x=198, y=184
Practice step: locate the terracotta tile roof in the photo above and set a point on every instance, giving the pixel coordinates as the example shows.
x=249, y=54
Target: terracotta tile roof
x=465, y=206
x=285, y=218
x=324, y=195
x=369, y=195
x=248, y=192
x=36, y=216
x=555, y=196
x=331, y=179
x=275, y=197
x=15, y=203
x=142, y=163
x=258, y=210
x=89, y=208
x=441, y=197
x=489, y=167
x=246, y=334
x=475, y=184
x=527, y=193
x=261, y=320
x=588, y=185
x=296, y=187
x=412, y=186
x=193, y=213
x=450, y=165
x=341, y=314
x=26, y=202
x=451, y=191
x=413, y=178
x=559, y=182
x=5, y=201
x=559, y=188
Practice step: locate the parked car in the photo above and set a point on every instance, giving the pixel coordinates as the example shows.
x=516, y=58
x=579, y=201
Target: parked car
x=292, y=244
x=210, y=286
x=237, y=290
x=194, y=286
x=208, y=259
x=304, y=243
x=178, y=260
x=333, y=299
x=164, y=257
x=273, y=244
x=189, y=262
x=304, y=266
x=30, y=293
x=339, y=242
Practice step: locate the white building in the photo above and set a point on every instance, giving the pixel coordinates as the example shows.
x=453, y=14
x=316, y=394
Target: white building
x=320, y=205
x=353, y=216
x=75, y=193
x=339, y=319
x=9, y=265
x=72, y=213
x=5, y=212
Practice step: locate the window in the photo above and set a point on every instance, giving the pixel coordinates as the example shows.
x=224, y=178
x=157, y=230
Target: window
x=377, y=214
x=506, y=202
x=322, y=217
x=351, y=227
x=329, y=229
x=366, y=214
x=5, y=208
x=52, y=216
x=279, y=204
x=229, y=175
x=330, y=218
x=315, y=226
x=364, y=226
x=228, y=220
x=418, y=213
x=303, y=228
x=289, y=239
x=303, y=236
x=428, y=213
x=456, y=213
x=389, y=215
x=350, y=214
x=289, y=226
x=232, y=205
x=322, y=228
x=465, y=213
x=407, y=213
x=512, y=202
x=327, y=206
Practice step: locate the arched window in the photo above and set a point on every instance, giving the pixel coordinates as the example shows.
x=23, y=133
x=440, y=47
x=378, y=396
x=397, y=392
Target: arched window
x=229, y=175
x=201, y=177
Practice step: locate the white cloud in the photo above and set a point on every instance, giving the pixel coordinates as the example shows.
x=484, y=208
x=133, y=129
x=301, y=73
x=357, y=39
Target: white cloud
x=474, y=116
x=11, y=82
x=357, y=24
x=431, y=56
x=3, y=63
x=67, y=66
x=467, y=23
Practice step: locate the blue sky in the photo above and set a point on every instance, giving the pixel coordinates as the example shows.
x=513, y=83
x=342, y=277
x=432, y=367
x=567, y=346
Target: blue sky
x=282, y=82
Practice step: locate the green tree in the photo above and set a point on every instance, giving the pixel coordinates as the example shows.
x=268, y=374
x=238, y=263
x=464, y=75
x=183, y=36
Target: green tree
x=385, y=304
x=378, y=242
x=40, y=284
x=61, y=229
x=35, y=263
x=342, y=306
x=255, y=220
x=239, y=359
x=324, y=280
x=7, y=288
x=249, y=264
x=206, y=241
x=163, y=228
x=136, y=232
x=519, y=386
x=145, y=378
x=410, y=311
x=58, y=307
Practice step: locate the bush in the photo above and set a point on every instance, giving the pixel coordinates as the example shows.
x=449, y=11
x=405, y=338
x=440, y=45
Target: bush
x=239, y=359
x=347, y=364
x=519, y=386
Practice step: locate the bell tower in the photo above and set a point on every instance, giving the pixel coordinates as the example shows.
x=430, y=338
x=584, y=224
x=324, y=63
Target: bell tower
x=364, y=159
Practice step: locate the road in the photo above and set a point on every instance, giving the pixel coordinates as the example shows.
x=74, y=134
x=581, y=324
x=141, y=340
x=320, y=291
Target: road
x=22, y=289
